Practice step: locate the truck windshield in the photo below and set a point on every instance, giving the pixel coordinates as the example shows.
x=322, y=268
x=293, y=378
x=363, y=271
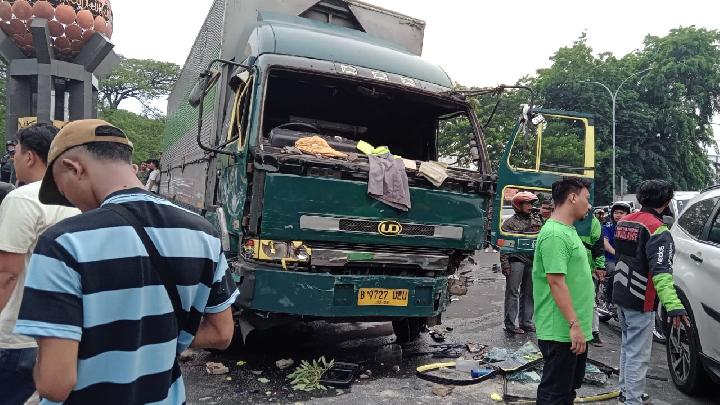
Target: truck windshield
x=405, y=121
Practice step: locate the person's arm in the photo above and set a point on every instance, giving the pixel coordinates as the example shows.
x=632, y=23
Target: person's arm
x=55, y=372
x=599, y=259
x=505, y=264
x=608, y=246
x=215, y=331
x=659, y=250
x=52, y=312
x=561, y=296
x=11, y=267
x=217, y=325
x=18, y=224
x=555, y=255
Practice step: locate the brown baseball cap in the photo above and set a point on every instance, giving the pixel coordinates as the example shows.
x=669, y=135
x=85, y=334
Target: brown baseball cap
x=74, y=134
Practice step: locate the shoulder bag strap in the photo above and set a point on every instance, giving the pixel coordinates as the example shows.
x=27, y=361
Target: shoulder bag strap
x=157, y=261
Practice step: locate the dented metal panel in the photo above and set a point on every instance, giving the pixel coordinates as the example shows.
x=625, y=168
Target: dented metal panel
x=328, y=296
x=340, y=258
x=289, y=197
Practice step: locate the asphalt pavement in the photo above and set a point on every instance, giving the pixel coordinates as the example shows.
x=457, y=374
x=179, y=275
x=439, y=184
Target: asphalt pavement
x=390, y=368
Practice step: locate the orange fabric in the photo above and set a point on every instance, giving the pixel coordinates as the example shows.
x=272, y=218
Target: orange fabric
x=317, y=146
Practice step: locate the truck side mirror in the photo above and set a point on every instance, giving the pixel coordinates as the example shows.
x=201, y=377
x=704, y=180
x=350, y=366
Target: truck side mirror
x=206, y=80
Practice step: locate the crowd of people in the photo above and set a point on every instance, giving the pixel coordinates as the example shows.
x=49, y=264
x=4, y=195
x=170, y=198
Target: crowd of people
x=76, y=325
x=553, y=291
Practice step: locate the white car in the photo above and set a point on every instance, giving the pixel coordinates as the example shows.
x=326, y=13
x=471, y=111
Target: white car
x=680, y=200
x=693, y=353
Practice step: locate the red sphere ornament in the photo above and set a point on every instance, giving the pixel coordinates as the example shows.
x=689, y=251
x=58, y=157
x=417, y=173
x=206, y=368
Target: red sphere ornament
x=71, y=23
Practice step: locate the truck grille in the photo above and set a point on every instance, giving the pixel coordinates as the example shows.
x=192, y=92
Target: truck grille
x=352, y=225
x=322, y=223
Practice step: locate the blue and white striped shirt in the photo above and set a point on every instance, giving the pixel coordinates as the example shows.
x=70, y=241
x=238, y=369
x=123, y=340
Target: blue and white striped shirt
x=90, y=279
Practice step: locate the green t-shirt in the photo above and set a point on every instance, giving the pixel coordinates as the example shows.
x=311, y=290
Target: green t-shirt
x=560, y=251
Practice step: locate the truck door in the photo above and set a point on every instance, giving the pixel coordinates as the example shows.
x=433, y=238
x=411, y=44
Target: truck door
x=544, y=148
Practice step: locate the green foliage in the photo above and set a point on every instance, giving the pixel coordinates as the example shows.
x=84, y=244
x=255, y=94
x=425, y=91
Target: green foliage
x=144, y=80
x=663, y=116
x=306, y=376
x=145, y=133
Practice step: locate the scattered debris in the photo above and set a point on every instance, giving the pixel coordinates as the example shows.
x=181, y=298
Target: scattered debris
x=216, y=368
x=339, y=392
x=456, y=287
x=228, y=378
x=496, y=397
x=453, y=299
x=449, y=328
x=186, y=356
x=282, y=364
x=524, y=377
x=306, y=376
x=241, y=363
x=437, y=336
x=656, y=377
x=263, y=380
x=364, y=376
x=368, y=372
x=474, y=348
x=268, y=393
x=595, y=376
x=256, y=372
x=340, y=375
x=205, y=399
x=396, y=368
x=442, y=390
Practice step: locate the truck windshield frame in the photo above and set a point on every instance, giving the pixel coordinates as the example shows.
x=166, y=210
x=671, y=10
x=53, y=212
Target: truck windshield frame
x=428, y=94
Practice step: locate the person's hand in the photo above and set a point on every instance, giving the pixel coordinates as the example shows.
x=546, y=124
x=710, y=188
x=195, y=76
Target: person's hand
x=577, y=339
x=600, y=274
x=506, y=271
x=676, y=320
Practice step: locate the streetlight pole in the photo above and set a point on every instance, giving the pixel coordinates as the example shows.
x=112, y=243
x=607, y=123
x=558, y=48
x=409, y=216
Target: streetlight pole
x=613, y=97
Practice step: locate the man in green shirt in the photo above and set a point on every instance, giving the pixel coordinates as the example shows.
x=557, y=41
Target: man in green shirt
x=564, y=294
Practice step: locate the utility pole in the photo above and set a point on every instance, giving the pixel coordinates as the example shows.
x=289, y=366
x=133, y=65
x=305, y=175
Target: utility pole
x=613, y=97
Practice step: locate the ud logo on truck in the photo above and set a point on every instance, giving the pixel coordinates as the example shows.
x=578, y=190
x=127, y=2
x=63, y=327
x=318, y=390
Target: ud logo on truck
x=390, y=228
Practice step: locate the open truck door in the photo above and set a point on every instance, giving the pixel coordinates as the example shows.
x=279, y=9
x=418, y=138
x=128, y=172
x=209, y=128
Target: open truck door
x=546, y=146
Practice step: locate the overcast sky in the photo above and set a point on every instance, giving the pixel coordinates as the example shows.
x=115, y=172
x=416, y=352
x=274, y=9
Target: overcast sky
x=479, y=43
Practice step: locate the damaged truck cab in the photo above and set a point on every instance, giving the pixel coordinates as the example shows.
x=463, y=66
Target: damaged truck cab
x=304, y=238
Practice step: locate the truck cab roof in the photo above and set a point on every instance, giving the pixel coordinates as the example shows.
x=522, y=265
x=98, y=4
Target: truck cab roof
x=298, y=36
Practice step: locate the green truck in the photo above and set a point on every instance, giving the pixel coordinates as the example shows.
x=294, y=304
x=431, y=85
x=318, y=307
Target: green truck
x=304, y=238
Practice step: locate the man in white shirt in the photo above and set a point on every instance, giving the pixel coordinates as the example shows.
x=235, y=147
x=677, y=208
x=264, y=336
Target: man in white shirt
x=153, y=182
x=22, y=219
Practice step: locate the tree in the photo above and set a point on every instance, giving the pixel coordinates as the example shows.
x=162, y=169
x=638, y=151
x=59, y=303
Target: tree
x=144, y=80
x=145, y=133
x=663, y=117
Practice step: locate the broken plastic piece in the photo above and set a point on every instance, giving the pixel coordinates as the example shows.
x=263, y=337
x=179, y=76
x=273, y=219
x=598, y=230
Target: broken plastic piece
x=216, y=368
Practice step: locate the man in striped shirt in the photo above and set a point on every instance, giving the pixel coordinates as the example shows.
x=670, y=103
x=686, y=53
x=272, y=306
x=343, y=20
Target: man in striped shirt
x=109, y=321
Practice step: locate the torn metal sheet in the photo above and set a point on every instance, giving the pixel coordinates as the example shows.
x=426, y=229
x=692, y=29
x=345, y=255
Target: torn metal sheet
x=340, y=257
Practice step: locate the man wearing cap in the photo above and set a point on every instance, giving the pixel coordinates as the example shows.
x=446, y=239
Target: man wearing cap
x=114, y=294
x=517, y=267
x=22, y=219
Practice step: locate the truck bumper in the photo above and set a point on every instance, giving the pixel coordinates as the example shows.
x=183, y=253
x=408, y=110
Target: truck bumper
x=325, y=295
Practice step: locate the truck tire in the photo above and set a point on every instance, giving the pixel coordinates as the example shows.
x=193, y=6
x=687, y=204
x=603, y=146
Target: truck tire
x=408, y=329
x=683, y=356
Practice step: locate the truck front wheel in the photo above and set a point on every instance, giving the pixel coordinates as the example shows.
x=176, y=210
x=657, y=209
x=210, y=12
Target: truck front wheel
x=408, y=329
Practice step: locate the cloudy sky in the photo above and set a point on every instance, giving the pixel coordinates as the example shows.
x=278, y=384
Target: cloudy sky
x=479, y=43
